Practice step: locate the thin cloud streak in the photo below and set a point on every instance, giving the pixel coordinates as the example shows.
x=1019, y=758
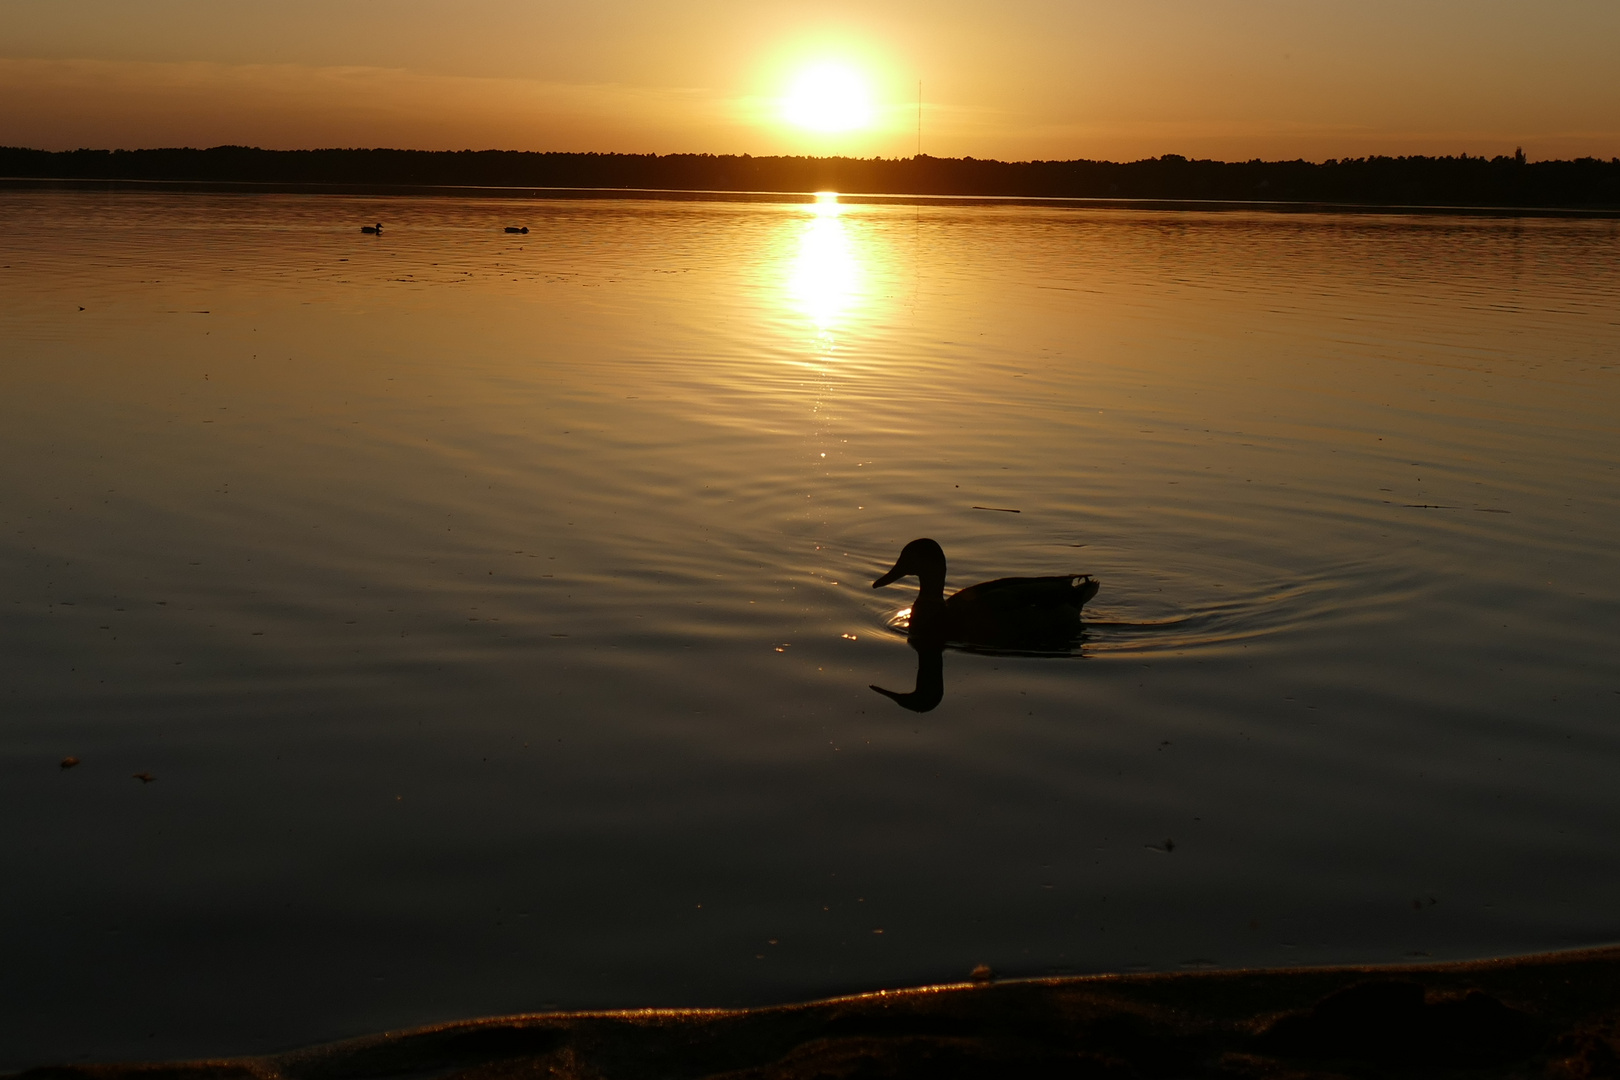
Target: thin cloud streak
x=63, y=104
x=66, y=104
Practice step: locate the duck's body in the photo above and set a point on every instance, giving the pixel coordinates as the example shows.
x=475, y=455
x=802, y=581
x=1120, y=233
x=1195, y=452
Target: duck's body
x=374, y=229
x=524, y=230
x=1034, y=613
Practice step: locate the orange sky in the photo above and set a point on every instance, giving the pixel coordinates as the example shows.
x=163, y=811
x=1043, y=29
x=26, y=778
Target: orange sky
x=1117, y=79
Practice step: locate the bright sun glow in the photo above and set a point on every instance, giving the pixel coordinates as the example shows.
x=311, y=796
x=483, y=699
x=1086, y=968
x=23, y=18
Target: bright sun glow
x=829, y=97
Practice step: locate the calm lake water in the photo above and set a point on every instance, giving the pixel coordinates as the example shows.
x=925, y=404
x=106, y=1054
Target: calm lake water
x=493, y=612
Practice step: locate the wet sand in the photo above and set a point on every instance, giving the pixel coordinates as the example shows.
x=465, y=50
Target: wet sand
x=1554, y=1015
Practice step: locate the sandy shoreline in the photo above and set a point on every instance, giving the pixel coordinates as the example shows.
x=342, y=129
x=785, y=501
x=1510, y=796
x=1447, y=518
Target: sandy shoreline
x=1555, y=1015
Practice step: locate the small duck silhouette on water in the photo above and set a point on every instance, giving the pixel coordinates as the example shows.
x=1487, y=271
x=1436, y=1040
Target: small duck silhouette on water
x=1033, y=615
x=1016, y=613
x=375, y=230
x=523, y=230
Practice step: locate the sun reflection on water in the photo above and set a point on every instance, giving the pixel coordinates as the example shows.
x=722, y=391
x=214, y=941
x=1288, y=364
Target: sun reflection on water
x=826, y=279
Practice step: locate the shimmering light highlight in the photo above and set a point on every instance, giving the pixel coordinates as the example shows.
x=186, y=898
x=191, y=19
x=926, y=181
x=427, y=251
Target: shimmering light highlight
x=826, y=280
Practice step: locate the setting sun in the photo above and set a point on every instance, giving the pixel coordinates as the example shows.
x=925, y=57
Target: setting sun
x=829, y=97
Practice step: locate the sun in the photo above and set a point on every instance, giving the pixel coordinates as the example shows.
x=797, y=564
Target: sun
x=828, y=97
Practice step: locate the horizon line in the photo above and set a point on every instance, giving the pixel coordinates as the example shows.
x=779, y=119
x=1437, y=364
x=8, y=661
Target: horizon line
x=1517, y=156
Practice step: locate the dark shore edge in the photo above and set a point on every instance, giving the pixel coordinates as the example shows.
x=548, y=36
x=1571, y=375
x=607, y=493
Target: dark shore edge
x=473, y=191
x=1451, y=183
x=1547, y=1015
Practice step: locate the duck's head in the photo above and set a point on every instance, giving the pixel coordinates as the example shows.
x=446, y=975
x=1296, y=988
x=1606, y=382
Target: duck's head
x=930, y=680
x=922, y=557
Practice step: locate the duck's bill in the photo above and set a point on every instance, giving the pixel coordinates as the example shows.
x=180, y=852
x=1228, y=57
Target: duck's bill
x=886, y=578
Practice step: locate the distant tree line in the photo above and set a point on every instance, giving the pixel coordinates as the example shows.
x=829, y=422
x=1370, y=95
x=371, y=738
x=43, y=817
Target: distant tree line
x=1505, y=181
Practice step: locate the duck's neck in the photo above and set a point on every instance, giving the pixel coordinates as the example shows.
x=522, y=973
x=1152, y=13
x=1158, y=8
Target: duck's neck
x=931, y=588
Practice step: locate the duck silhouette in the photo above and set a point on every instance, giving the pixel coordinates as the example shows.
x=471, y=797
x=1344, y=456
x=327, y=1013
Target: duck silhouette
x=1031, y=616
x=377, y=228
x=1022, y=614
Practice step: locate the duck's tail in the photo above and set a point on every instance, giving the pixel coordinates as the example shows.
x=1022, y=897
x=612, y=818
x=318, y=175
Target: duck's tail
x=1084, y=587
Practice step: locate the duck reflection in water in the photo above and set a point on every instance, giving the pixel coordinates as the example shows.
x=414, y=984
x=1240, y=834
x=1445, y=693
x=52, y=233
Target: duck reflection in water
x=1037, y=616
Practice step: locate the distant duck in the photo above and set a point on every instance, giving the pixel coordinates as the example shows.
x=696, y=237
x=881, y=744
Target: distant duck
x=1035, y=613
x=514, y=229
x=376, y=229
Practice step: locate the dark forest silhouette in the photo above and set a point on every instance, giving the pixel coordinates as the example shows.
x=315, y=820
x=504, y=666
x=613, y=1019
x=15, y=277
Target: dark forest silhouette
x=1462, y=181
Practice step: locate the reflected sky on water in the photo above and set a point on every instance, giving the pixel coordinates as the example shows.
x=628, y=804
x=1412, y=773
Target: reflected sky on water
x=494, y=611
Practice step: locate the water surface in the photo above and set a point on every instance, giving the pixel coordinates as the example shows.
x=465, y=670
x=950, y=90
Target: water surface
x=493, y=613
